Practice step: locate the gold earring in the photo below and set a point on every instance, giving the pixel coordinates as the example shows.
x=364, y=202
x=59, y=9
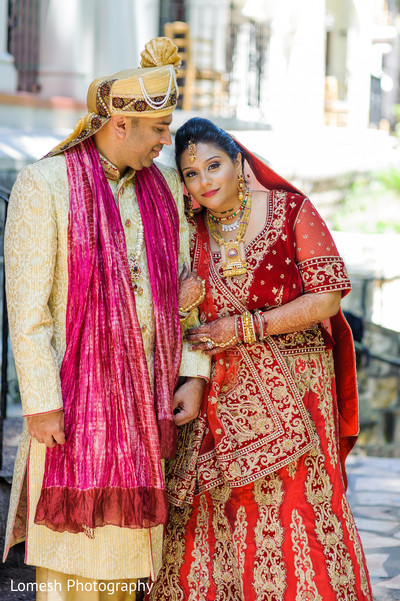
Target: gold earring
x=241, y=187
x=188, y=206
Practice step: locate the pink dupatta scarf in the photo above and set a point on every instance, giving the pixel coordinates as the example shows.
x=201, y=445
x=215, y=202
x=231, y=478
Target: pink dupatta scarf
x=117, y=430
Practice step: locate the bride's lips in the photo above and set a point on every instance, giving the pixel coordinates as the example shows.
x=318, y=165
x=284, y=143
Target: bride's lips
x=210, y=193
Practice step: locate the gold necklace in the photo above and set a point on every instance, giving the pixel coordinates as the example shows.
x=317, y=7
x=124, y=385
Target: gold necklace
x=233, y=253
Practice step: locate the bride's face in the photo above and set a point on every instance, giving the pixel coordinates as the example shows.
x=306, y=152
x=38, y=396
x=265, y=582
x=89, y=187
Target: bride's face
x=212, y=178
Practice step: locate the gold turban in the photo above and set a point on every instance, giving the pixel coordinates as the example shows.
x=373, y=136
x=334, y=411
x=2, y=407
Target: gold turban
x=150, y=91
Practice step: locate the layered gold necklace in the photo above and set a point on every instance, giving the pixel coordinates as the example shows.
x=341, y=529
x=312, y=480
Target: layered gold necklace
x=233, y=253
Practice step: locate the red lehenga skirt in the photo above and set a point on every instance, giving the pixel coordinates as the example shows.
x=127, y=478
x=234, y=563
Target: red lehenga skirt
x=286, y=536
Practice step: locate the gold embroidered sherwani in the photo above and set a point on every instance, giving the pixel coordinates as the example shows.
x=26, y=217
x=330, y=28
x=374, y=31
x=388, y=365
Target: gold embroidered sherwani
x=36, y=249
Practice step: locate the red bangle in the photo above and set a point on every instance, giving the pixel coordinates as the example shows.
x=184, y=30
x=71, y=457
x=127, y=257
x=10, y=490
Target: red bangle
x=239, y=328
x=256, y=326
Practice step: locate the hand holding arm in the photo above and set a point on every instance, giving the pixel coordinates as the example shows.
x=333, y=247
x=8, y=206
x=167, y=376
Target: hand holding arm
x=191, y=289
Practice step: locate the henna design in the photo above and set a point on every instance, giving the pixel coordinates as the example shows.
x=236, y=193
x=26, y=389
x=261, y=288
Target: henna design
x=304, y=312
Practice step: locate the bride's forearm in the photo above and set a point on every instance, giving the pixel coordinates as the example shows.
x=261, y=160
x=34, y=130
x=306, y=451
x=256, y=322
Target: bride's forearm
x=303, y=312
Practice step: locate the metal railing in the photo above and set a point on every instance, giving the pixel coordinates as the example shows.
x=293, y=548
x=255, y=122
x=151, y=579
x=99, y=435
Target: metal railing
x=227, y=42
x=4, y=196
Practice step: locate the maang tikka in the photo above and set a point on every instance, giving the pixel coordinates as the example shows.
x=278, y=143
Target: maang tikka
x=192, y=151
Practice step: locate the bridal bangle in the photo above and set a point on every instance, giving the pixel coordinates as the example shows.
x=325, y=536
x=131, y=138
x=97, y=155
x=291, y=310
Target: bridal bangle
x=183, y=313
x=251, y=327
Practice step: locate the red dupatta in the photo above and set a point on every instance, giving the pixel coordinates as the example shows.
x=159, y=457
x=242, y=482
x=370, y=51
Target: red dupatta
x=117, y=430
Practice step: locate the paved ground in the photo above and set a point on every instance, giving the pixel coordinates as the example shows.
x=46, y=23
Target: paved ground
x=374, y=495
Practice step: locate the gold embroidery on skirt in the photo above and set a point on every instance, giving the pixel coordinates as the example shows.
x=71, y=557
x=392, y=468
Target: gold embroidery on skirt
x=173, y=555
x=352, y=530
x=325, y=404
x=291, y=468
x=319, y=492
x=313, y=372
x=228, y=585
x=198, y=578
x=239, y=538
x=306, y=588
x=269, y=577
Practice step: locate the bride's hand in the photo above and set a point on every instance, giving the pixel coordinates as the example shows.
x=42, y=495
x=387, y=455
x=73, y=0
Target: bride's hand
x=213, y=337
x=190, y=289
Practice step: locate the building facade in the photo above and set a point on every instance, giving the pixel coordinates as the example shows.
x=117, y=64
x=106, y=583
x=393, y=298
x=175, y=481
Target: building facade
x=285, y=63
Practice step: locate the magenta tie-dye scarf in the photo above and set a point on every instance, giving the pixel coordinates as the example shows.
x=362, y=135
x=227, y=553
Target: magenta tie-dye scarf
x=117, y=430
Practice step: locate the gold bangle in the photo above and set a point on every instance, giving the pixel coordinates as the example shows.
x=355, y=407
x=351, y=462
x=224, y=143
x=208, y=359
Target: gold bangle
x=197, y=302
x=249, y=335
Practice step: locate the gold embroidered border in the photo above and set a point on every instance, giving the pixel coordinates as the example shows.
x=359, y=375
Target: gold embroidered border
x=306, y=587
x=269, y=574
x=324, y=274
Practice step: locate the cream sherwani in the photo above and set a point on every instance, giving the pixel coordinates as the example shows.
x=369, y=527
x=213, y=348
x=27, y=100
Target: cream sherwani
x=36, y=248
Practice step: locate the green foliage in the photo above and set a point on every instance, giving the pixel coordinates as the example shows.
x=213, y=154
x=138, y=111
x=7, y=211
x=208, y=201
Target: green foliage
x=390, y=179
x=371, y=205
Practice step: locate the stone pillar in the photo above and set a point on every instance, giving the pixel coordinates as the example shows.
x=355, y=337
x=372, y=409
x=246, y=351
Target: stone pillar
x=66, y=47
x=121, y=34
x=81, y=41
x=359, y=62
x=296, y=65
x=8, y=75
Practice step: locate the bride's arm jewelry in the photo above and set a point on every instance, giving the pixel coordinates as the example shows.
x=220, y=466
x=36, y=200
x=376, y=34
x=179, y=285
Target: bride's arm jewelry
x=184, y=312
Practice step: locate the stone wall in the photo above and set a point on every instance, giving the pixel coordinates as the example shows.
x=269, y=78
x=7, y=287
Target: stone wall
x=379, y=391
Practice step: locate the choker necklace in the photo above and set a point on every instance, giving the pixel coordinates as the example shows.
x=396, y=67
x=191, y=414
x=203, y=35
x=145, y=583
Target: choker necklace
x=236, y=210
x=233, y=226
x=233, y=253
